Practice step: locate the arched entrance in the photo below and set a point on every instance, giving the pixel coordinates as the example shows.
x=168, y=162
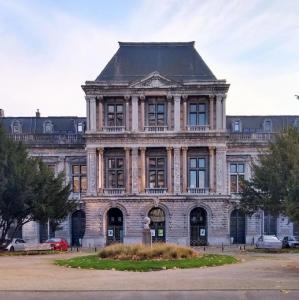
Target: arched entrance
x=270, y=224
x=78, y=227
x=198, y=227
x=157, y=224
x=237, y=227
x=115, y=223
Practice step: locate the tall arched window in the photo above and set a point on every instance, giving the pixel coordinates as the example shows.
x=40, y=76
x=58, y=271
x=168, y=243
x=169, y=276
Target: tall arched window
x=48, y=127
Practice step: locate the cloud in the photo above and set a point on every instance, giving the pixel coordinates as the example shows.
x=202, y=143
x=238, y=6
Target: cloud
x=45, y=55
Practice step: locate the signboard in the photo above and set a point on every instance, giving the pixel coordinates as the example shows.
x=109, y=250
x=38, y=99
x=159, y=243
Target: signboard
x=160, y=232
x=153, y=232
x=202, y=232
x=110, y=232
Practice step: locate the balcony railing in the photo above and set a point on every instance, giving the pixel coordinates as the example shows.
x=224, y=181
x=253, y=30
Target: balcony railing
x=48, y=139
x=156, y=190
x=114, y=191
x=204, y=191
x=198, y=127
x=253, y=136
x=155, y=128
x=114, y=128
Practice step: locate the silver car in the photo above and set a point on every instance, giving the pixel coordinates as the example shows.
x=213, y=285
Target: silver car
x=16, y=245
x=268, y=242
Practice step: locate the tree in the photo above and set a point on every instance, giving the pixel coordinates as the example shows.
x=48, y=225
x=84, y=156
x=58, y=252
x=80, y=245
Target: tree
x=274, y=186
x=29, y=191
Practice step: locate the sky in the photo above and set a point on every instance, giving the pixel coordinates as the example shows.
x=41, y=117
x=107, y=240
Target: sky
x=49, y=48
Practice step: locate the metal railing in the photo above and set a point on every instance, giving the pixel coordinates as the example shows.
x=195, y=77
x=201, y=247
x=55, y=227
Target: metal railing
x=114, y=191
x=114, y=128
x=196, y=190
x=198, y=127
x=156, y=190
x=256, y=136
x=48, y=139
x=155, y=128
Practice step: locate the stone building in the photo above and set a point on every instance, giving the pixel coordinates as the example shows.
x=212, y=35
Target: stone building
x=156, y=142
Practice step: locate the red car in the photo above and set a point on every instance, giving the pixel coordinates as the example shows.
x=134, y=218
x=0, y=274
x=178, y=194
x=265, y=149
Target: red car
x=58, y=244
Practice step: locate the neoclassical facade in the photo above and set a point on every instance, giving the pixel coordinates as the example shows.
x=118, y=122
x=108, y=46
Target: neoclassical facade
x=158, y=143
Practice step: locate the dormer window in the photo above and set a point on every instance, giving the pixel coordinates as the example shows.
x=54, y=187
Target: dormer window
x=16, y=127
x=267, y=125
x=236, y=126
x=48, y=127
x=296, y=123
x=80, y=127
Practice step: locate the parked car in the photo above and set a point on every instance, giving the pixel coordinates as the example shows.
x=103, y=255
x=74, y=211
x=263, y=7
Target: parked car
x=58, y=244
x=268, y=242
x=290, y=241
x=16, y=245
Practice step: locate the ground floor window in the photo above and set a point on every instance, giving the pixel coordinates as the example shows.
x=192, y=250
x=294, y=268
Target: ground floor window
x=157, y=224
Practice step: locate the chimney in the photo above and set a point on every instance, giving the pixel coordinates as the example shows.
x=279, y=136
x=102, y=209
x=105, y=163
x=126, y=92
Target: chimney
x=37, y=114
x=1, y=113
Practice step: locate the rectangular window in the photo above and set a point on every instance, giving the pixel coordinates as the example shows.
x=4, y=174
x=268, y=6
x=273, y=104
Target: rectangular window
x=156, y=114
x=115, y=115
x=197, y=114
x=115, y=172
x=237, y=175
x=197, y=172
x=79, y=179
x=157, y=172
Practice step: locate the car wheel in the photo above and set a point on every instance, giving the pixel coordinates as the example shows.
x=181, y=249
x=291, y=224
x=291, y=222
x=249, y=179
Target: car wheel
x=12, y=249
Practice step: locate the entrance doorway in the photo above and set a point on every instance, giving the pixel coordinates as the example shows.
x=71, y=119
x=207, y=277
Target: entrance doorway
x=157, y=224
x=198, y=227
x=237, y=227
x=114, y=226
x=78, y=227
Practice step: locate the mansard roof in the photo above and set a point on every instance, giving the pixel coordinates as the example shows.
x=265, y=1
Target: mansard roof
x=177, y=61
x=35, y=125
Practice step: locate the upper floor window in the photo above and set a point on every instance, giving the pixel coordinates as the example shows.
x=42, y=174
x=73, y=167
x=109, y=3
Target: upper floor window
x=197, y=172
x=267, y=125
x=156, y=114
x=237, y=175
x=79, y=179
x=157, y=172
x=237, y=126
x=115, y=172
x=51, y=167
x=16, y=127
x=197, y=114
x=115, y=115
x=48, y=127
x=296, y=123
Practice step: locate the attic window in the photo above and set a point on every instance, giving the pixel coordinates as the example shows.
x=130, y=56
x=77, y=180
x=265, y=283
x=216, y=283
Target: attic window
x=48, y=127
x=268, y=126
x=80, y=127
x=16, y=127
x=296, y=123
x=236, y=126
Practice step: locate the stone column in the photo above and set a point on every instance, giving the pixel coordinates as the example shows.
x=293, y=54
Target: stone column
x=134, y=113
x=211, y=112
x=184, y=169
x=134, y=170
x=224, y=112
x=87, y=114
x=185, y=115
x=219, y=123
x=212, y=169
x=142, y=112
x=177, y=170
x=221, y=172
x=127, y=169
x=127, y=113
x=169, y=169
x=142, y=175
x=93, y=114
x=169, y=105
x=101, y=183
x=177, y=112
x=92, y=171
x=101, y=114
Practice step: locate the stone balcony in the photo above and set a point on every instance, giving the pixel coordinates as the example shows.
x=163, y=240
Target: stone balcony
x=198, y=127
x=156, y=190
x=202, y=191
x=114, y=191
x=155, y=128
x=252, y=137
x=114, y=129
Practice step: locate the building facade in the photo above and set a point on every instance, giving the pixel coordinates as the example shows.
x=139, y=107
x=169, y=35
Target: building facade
x=156, y=142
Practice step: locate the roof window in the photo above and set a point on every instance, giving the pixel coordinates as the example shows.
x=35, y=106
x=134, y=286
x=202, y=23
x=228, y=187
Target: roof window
x=16, y=127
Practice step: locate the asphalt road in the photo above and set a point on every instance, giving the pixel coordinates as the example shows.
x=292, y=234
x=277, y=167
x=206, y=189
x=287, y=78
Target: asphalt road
x=157, y=295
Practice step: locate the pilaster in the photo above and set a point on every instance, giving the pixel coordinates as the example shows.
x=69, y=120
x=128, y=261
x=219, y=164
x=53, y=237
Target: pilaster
x=101, y=170
x=169, y=169
x=127, y=113
x=101, y=114
x=212, y=168
x=134, y=113
x=142, y=99
x=221, y=173
x=185, y=121
x=93, y=114
x=211, y=112
x=142, y=175
x=219, y=113
x=128, y=169
x=134, y=170
x=177, y=170
x=224, y=112
x=177, y=112
x=92, y=171
x=184, y=168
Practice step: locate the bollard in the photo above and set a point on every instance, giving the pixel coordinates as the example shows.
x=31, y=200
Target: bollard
x=204, y=248
x=240, y=248
x=77, y=249
x=95, y=249
x=244, y=247
x=222, y=247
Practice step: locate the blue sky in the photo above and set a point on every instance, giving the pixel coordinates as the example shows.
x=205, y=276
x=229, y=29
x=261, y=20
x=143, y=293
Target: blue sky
x=49, y=48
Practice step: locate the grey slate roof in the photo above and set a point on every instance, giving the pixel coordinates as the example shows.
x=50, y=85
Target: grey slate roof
x=35, y=125
x=177, y=61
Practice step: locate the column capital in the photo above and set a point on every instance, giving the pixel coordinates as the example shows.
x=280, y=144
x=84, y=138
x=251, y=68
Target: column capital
x=185, y=97
x=101, y=150
x=212, y=148
x=169, y=97
x=169, y=148
x=100, y=98
x=127, y=97
x=211, y=97
x=219, y=97
x=127, y=148
x=142, y=149
x=142, y=97
x=185, y=148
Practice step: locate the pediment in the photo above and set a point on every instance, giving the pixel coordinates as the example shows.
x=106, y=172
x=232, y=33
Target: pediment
x=155, y=80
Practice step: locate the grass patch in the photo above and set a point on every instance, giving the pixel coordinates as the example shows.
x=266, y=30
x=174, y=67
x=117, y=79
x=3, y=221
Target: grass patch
x=143, y=252
x=276, y=251
x=94, y=262
x=28, y=253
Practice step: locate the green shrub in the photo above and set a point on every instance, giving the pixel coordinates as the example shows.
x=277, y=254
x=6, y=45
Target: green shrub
x=143, y=252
